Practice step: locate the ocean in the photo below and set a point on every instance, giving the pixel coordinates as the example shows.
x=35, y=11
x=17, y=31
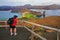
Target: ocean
x=4, y=15
x=48, y=12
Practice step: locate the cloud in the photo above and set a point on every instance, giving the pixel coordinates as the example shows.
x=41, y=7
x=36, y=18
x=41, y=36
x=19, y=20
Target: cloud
x=33, y=2
x=18, y=0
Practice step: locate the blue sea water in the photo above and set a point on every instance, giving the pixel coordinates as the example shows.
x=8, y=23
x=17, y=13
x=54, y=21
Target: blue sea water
x=4, y=15
x=48, y=12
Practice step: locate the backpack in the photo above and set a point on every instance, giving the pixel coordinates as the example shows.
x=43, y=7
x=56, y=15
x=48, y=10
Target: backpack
x=10, y=21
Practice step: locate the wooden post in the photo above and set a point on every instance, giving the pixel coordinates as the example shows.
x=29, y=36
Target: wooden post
x=57, y=35
x=6, y=24
x=32, y=35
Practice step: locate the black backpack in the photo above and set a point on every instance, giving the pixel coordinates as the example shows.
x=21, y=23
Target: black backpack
x=10, y=21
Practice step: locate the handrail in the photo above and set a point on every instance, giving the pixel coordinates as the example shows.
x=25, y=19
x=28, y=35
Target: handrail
x=58, y=30
x=35, y=34
x=40, y=25
x=43, y=26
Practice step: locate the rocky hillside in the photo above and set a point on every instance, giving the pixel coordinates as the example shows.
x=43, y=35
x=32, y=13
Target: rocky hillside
x=52, y=21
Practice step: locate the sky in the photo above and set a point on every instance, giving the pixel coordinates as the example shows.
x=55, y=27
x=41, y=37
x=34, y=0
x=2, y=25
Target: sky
x=32, y=2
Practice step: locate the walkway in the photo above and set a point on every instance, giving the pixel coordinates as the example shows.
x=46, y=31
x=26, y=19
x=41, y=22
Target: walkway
x=23, y=34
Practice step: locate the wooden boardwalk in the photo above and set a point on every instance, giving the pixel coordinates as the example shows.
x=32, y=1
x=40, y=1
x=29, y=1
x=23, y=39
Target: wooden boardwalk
x=22, y=34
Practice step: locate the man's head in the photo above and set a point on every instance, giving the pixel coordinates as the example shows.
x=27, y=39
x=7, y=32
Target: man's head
x=15, y=16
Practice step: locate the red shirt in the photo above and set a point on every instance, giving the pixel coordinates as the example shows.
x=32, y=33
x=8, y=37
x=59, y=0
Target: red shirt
x=14, y=22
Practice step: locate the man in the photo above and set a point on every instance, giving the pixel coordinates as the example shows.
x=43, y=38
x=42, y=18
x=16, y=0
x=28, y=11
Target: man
x=12, y=25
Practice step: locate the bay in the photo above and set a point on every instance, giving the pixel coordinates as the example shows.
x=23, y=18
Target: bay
x=4, y=15
x=48, y=12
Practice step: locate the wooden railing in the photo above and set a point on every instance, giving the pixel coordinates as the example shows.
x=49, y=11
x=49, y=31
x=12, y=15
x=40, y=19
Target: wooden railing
x=33, y=33
x=47, y=27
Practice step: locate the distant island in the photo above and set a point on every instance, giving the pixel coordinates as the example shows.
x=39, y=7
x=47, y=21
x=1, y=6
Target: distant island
x=47, y=7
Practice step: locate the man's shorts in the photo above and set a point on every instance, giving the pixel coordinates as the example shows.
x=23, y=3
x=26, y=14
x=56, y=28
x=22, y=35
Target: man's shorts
x=13, y=27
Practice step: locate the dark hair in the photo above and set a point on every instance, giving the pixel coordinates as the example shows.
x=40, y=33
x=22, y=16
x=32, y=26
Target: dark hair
x=15, y=16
